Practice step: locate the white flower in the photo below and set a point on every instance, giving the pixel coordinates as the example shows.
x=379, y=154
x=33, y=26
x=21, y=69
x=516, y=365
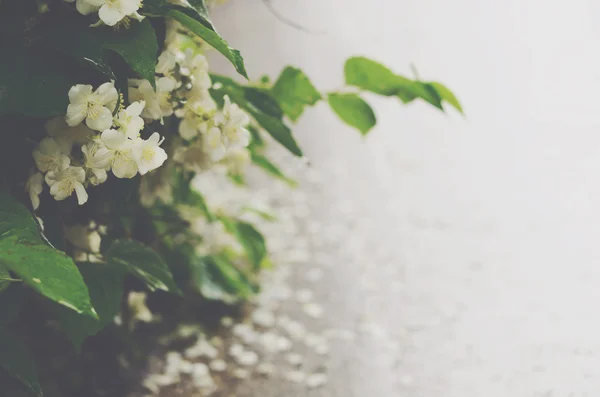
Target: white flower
x=95, y=107
x=66, y=136
x=129, y=120
x=64, y=183
x=123, y=165
x=237, y=160
x=158, y=103
x=148, y=154
x=167, y=61
x=233, y=128
x=197, y=118
x=97, y=155
x=85, y=7
x=83, y=238
x=112, y=11
x=49, y=157
x=214, y=145
x=97, y=160
x=34, y=187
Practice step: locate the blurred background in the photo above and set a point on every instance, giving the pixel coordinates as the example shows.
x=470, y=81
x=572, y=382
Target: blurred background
x=464, y=247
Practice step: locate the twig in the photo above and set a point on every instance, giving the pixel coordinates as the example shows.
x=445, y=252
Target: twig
x=287, y=21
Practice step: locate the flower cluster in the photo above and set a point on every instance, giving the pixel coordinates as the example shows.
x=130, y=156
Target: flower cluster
x=110, y=12
x=90, y=141
x=183, y=82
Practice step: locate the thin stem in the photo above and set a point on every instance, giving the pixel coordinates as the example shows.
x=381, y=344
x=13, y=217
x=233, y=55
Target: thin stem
x=15, y=280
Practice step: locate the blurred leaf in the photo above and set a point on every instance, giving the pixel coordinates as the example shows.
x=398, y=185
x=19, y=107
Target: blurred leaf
x=372, y=76
x=253, y=242
x=273, y=125
x=12, y=387
x=447, y=96
x=105, y=283
x=17, y=362
x=261, y=161
x=264, y=101
x=294, y=91
x=142, y=262
x=45, y=269
x=354, y=111
x=267, y=216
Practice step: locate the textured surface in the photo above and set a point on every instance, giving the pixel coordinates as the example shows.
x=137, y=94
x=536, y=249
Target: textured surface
x=473, y=242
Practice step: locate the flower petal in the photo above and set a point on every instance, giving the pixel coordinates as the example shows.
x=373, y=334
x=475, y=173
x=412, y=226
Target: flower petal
x=75, y=114
x=107, y=95
x=102, y=121
x=110, y=15
x=113, y=139
x=82, y=196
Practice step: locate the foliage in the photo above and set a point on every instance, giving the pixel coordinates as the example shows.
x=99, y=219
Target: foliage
x=111, y=120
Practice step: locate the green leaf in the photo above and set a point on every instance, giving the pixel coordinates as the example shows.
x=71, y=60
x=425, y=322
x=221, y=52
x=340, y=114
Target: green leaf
x=137, y=45
x=273, y=125
x=142, y=262
x=207, y=279
x=294, y=91
x=447, y=96
x=253, y=242
x=11, y=301
x=217, y=277
x=372, y=76
x=5, y=278
x=16, y=360
x=33, y=83
x=211, y=37
x=47, y=270
x=267, y=216
x=354, y=111
x=11, y=387
x=105, y=283
x=264, y=101
x=261, y=161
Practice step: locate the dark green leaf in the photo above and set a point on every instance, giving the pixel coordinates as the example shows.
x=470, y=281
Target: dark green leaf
x=273, y=125
x=211, y=37
x=137, y=46
x=447, y=96
x=257, y=140
x=105, y=283
x=5, y=278
x=11, y=387
x=217, y=277
x=142, y=262
x=11, y=301
x=293, y=90
x=264, y=101
x=45, y=269
x=354, y=111
x=33, y=83
x=253, y=242
x=16, y=360
x=261, y=161
x=207, y=278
